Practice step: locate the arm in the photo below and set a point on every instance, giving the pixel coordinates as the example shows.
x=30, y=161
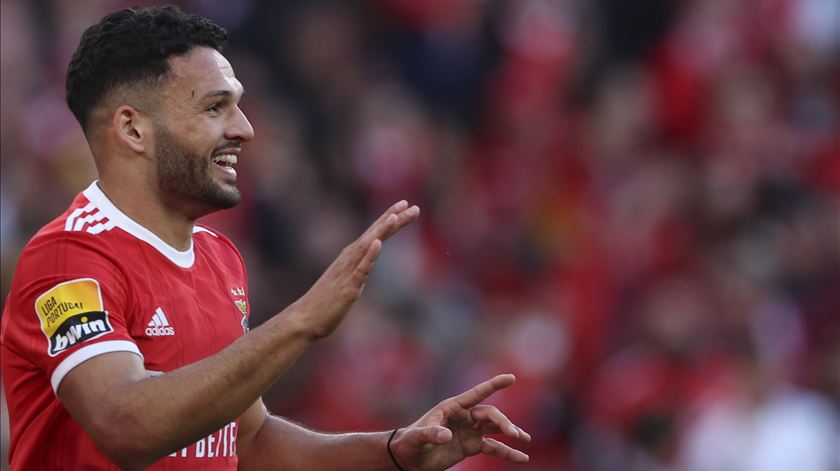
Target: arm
x=115, y=401
x=266, y=442
x=449, y=432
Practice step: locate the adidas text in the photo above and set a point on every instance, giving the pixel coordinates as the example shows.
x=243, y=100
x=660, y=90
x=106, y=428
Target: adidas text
x=159, y=331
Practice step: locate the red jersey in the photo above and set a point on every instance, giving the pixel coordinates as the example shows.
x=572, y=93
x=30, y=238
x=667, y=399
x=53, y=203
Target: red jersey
x=94, y=281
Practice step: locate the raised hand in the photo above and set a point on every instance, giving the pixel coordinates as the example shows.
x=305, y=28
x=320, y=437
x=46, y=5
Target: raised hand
x=456, y=428
x=325, y=304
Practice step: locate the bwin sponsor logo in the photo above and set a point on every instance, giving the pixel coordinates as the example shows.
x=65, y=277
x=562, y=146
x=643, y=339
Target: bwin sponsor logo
x=78, y=329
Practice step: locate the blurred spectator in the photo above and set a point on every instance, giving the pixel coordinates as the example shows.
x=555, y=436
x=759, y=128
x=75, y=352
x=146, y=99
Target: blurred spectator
x=631, y=205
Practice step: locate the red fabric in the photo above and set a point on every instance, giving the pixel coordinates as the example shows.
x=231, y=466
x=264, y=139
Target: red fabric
x=136, y=282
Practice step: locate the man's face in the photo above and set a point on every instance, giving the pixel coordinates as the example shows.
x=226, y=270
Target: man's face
x=200, y=131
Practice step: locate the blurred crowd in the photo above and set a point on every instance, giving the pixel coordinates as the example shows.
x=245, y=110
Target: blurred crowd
x=634, y=206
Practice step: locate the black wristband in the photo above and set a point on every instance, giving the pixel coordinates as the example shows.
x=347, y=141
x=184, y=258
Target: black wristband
x=391, y=453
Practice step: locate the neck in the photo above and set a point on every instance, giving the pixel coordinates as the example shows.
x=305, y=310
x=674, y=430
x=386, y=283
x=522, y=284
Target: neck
x=149, y=211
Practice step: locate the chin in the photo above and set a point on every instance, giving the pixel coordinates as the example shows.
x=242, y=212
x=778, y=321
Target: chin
x=229, y=200
x=221, y=196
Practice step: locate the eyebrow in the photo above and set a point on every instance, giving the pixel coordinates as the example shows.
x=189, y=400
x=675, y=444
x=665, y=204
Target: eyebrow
x=225, y=93
x=216, y=93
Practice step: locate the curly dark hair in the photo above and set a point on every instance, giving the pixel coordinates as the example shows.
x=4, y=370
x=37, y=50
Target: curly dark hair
x=133, y=46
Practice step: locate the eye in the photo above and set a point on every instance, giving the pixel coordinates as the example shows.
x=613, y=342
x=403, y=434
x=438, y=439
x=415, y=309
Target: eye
x=215, y=108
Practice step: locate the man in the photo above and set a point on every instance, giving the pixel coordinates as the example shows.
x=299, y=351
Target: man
x=124, y=337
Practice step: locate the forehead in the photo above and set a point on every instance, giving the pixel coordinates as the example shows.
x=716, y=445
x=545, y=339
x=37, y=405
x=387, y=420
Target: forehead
x=201, y=70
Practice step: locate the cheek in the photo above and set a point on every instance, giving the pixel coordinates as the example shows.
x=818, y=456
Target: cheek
x=190, y=134
x=196, y=140
x=204, y=135
x=198, y=135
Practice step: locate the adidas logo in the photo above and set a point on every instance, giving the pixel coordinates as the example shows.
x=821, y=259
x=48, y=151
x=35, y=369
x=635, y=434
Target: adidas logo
x=159, y=325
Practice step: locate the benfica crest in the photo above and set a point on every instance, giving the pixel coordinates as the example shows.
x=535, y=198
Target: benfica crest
x=242, y=305
x=245, y=326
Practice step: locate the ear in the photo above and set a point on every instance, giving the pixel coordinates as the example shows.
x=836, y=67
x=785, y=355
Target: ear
x=133, y=128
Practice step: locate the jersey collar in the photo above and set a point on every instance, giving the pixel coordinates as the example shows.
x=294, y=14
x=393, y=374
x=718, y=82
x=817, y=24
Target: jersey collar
x=183, y=259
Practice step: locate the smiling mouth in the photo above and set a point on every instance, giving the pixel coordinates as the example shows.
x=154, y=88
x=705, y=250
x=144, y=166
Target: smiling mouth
x=225, y=160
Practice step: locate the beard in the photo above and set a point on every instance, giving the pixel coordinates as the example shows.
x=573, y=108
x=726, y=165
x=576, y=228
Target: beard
x=183, y=173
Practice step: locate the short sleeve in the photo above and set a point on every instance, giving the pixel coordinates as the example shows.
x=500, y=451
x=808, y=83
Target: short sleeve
x=67, y=304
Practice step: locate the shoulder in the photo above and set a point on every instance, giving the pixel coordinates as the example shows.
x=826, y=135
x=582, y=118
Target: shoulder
x=77, y=244
x=81, y=231
x=53, y=257
x=209, y=237
x=88, y=220
x=216, y=244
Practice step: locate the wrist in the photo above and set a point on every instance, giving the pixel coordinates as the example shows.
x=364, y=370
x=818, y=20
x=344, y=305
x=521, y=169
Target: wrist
x=299, y=324
x=391, y=452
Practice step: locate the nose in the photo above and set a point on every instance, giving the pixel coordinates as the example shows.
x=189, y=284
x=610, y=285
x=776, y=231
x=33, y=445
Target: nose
x=240, y=128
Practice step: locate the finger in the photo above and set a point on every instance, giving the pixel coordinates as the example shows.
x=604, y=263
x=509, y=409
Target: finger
x=496, y=448
x=404, y=213
x=394, y=219
x=404, y=218
x=359, y=248
x=395, y=208
x=365, y=266
x=495, y=421
x=482, y=391
x=523, y=435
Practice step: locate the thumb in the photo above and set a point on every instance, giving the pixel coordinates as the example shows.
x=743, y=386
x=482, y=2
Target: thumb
x=416, y=437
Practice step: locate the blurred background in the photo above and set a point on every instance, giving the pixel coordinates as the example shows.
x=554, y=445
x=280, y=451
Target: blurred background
x=631, y=205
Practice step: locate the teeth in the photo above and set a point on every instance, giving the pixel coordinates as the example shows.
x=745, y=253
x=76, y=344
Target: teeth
x=225, y=159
